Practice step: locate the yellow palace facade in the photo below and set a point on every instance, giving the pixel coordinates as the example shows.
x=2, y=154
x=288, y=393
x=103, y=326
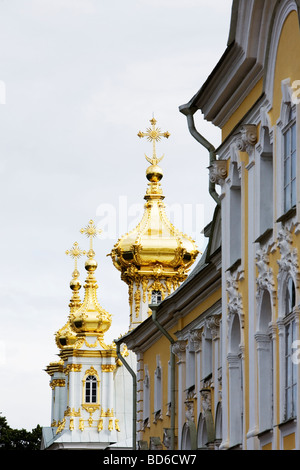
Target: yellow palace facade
x=217, y=360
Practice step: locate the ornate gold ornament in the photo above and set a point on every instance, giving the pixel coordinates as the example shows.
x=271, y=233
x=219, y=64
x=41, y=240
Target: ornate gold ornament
x=81, y=424
x=75, y=252
x=153, y=135
x=111, y=425
x=100, y=425
x=137, y=300
x=108, y=367
x=72, y=368
x=57, y=383
x=61, y=426
x=72, y=412
x=91, y=231
x=107, y=414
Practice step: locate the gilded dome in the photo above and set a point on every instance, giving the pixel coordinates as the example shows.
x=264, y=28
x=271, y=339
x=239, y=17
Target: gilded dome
x=155, y=241
x=90, y=317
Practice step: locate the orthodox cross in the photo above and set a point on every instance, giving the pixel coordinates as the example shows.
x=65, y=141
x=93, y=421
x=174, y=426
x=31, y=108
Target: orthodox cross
x=153, y=134
x=91, y=231
x=75, y=252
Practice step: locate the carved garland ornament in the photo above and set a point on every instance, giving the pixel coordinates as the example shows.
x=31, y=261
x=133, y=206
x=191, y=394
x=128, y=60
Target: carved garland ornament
x=288, y=262
x=234, y=304
x=265, y=276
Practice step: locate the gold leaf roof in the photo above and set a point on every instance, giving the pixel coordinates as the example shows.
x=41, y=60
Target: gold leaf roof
x=155, y=241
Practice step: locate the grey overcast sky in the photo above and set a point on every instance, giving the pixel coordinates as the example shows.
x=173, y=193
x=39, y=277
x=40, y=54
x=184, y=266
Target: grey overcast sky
x=78, y=80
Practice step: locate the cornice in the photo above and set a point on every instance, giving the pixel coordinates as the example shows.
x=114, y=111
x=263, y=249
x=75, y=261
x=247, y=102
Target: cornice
x=178, y=305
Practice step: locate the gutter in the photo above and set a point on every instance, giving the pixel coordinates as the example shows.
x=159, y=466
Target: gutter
x=172, y=364
x=134, y=399
x=189, y=113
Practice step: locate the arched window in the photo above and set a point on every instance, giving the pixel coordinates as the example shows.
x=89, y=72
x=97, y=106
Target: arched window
x=91, y=389
x=290, y=296
x=156, y=297
x=235, y=383
x=290, y=337
x=265, y=363
x=290, y=161
x=157, y=390
x=146, y=398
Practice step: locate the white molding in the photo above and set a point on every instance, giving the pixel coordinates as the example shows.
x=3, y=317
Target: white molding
x=284, y=9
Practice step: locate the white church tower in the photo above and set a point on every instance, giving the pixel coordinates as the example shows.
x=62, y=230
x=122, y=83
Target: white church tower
x=91, y=390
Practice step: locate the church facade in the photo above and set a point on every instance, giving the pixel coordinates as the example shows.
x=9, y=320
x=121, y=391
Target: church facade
x=230, y=333
x=93, y=401
x=214, y=353
x=91, y=404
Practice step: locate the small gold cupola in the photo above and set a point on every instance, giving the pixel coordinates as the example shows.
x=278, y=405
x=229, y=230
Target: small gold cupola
x=66, y=336
x=90, y=319
x=154, y=258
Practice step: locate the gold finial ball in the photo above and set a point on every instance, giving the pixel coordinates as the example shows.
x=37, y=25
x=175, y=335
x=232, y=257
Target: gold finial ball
x=75, y=284
x=91, y=265
x=154, y=173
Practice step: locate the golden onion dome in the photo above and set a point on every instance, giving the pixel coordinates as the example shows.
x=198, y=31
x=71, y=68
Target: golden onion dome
x=90, y=317
x=155, y=241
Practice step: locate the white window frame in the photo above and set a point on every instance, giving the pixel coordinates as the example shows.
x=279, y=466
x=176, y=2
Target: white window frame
x=290, y=335
x=146, y=398
x=284, y=321
x=290, y=182
x=158, y=389
x=90, y=396
x=287, y=119
x=156, y=297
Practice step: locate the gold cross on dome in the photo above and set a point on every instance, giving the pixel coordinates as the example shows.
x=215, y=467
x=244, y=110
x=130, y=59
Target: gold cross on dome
x=75, y=252
x=91, y=231
x=154, y=135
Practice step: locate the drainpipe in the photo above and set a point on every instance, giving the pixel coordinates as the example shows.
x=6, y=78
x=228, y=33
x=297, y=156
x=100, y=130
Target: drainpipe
x=189, y=113
x=172, y=363
x=134, y=393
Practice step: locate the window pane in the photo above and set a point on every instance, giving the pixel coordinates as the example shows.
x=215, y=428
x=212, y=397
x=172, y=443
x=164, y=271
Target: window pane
x=287, y=171
x=294, y=400
x=290, y=296
x=288, y=403
x=287, y=147
x=287, y=198
x=294, y=193
x=156, y=297
x=293, y=138
x=91, y=389
x=293, y=164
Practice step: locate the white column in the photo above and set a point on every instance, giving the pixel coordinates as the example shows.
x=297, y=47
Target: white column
x=252, y=406
x=235, y=399
x=179, y=349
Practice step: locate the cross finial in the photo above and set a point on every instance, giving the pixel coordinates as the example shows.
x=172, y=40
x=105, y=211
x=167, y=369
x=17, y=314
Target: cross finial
x=91, y=231
x=75, y=252
x=153, y=134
